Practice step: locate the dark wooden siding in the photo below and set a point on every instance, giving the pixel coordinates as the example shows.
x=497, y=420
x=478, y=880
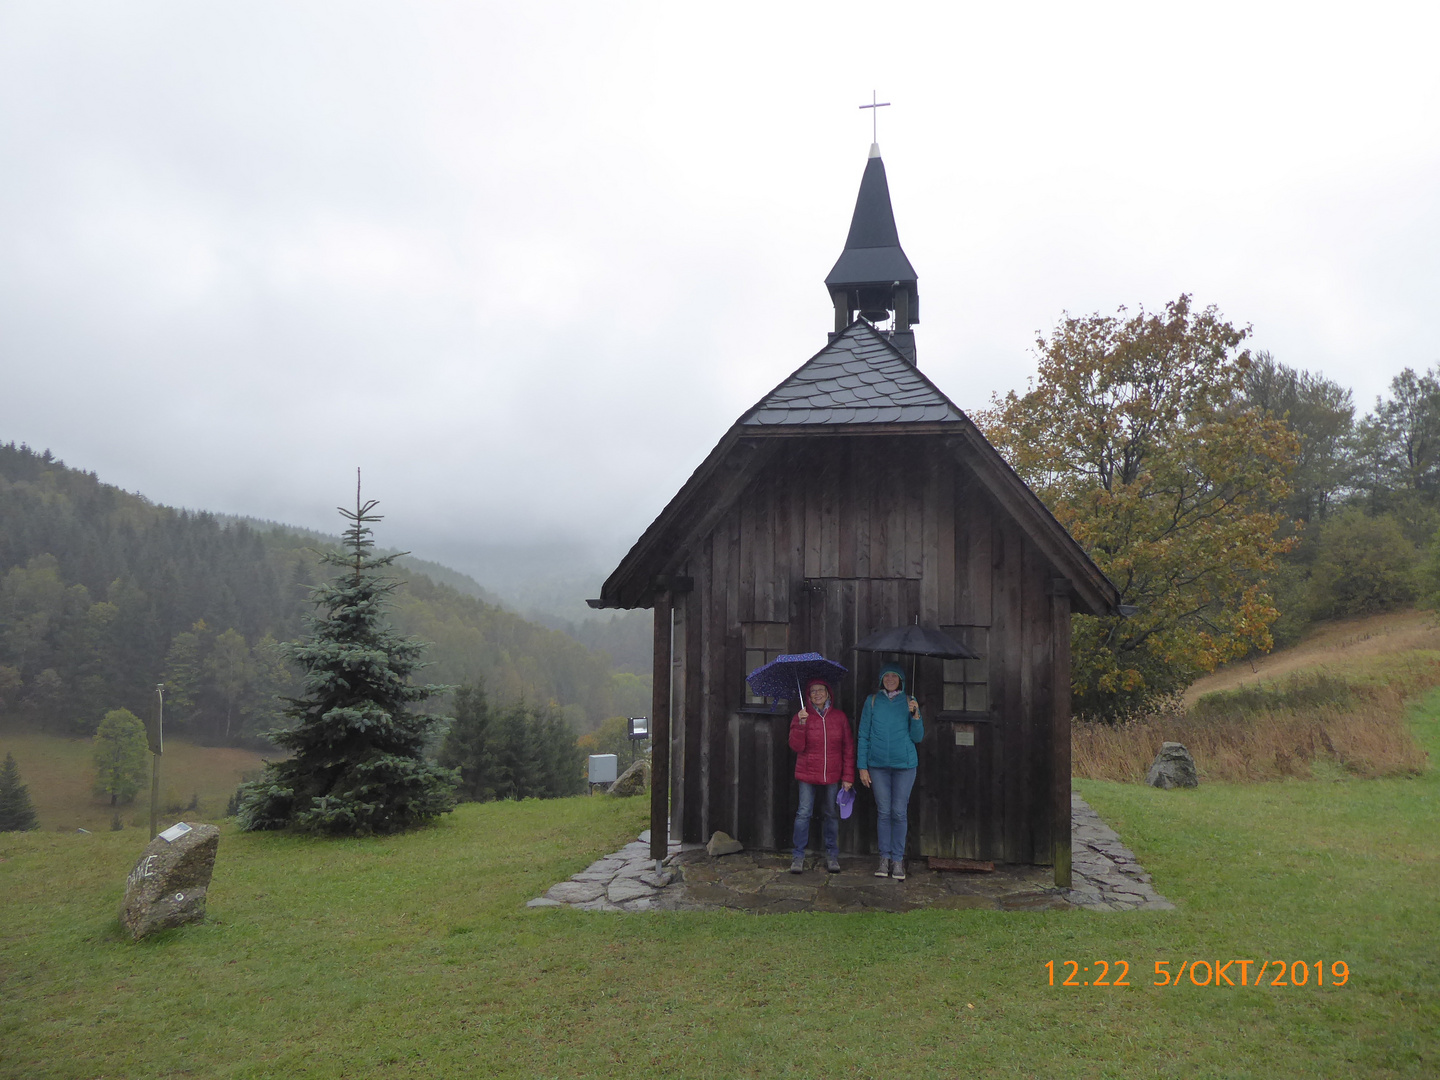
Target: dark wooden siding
x=837, y=537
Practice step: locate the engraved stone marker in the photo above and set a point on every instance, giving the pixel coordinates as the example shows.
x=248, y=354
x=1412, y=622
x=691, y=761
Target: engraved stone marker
x=168, y=885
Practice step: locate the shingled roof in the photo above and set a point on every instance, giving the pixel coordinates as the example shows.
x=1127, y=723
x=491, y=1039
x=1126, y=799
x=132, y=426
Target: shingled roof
x=859, y=378
x=872, y=254
x=859, y=384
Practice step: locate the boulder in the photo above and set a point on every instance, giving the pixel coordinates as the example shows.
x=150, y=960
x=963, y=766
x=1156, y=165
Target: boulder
x=1173, y=767
x=633, y=780
x=723, y=844
x=168, y=885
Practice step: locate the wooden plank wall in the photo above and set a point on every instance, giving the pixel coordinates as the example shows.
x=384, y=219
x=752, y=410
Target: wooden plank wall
x=837, y=537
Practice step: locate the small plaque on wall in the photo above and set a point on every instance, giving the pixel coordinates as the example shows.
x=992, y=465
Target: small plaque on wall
x=964, y=734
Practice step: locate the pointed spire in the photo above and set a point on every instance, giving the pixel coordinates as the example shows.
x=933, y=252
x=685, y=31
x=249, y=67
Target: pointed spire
x=873, y=275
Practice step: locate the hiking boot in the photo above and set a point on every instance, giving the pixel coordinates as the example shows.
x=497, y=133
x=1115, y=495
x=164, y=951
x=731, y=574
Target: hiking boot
x=897, y=869
x=797, y=864
x=883, y=870
x=832, y=864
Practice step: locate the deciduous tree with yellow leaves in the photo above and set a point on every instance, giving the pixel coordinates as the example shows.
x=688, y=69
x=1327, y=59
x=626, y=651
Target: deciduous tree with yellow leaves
x=1136, y=435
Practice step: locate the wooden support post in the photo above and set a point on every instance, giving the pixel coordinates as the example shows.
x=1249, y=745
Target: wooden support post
x=902, y=309
x=1060, y=729
x=660, y=731
x=841, y=299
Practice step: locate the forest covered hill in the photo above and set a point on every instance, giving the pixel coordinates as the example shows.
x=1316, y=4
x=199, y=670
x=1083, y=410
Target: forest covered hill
x=104, y=594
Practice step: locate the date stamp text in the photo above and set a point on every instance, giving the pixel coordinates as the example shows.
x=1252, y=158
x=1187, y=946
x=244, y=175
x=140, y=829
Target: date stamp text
x=1251, y=973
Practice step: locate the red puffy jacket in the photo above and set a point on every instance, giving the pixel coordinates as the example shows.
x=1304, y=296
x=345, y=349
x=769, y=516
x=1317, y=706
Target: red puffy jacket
x=825, y=745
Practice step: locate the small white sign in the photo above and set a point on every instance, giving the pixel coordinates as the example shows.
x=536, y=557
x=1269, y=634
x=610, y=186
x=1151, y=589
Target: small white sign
x=174, y=832
x=964, y=738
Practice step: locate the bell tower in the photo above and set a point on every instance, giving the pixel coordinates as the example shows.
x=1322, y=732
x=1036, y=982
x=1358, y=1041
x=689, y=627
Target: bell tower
x=873, y=277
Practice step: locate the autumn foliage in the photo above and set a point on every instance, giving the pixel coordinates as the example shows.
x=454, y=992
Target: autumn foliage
x=1135, y=434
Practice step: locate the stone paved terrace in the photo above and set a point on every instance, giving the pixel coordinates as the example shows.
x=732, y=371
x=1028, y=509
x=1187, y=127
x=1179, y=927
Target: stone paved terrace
x=1105, y=878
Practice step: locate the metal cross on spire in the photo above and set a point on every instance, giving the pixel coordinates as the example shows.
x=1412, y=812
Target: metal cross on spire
x=876, y=105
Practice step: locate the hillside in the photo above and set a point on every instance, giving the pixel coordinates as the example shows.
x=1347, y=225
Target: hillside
x=1342, y=644
x=1335, y=706
x=104, y=594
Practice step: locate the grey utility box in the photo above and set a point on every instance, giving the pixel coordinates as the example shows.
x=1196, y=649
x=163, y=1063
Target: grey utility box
x=604, y=768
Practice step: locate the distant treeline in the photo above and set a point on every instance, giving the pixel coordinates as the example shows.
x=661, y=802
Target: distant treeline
x=104, y=594
x=1364, y=498
x=516, y=752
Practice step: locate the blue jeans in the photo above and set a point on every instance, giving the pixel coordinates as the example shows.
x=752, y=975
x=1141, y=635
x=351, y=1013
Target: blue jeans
x=892, y=805
x=830, y=823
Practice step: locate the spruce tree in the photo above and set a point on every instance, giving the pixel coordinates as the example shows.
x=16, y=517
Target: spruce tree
x=562, y=761
x=16, y=812
x=467, y=745
x=358, y=764
x=517, y=769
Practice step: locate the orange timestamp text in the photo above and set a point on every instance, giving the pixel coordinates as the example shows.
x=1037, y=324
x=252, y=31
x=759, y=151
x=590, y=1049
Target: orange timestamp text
x=1203, y=973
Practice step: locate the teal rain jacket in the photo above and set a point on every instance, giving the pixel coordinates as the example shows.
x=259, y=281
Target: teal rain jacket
x=888, y=733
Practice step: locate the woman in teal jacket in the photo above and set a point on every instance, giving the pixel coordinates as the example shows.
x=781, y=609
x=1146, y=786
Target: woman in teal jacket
x=890, y=726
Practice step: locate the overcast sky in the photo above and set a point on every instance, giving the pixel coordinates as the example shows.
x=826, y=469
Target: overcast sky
x=525, y=263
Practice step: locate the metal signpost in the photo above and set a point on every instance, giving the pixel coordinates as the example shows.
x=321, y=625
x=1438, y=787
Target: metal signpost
x=157, y=747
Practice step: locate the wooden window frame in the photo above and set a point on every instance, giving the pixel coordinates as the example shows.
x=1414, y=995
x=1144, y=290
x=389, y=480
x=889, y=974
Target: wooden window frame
x=763, y=642
x=978, y=638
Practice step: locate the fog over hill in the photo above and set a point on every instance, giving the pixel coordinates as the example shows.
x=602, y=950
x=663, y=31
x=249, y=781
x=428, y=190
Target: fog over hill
x=547, y=584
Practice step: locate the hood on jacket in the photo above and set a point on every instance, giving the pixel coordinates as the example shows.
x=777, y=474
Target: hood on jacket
x=828, y=689
x=897, y=669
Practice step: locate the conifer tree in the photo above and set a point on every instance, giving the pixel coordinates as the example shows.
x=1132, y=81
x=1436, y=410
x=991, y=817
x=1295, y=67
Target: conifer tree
x=358, y=764
x=17, y=814
x=517, y=754
x=561, y=760
x=467, y=744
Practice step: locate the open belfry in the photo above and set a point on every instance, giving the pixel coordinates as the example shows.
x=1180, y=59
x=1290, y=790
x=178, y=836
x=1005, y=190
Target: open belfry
x=852, y=497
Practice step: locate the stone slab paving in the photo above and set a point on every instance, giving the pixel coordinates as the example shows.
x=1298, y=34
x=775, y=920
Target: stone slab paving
x=1103, y=871
x=623, y=881
x=1105, y=878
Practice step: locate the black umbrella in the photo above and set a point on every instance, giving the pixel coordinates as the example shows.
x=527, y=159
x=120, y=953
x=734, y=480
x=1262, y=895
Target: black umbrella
x=917, y=640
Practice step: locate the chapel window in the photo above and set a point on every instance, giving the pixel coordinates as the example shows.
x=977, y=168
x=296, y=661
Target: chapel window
x=967, y=682
x=764, y=641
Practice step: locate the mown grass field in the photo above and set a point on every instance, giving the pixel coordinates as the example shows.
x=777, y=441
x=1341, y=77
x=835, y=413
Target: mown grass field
x=414, y=956
x=60, y=773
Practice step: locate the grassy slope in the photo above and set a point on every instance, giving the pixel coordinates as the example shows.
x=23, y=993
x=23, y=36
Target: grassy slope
x=1346, y=645
x=413, y=956
x=59, y=774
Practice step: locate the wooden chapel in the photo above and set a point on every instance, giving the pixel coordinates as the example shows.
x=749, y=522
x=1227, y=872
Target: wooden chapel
x=856, y=496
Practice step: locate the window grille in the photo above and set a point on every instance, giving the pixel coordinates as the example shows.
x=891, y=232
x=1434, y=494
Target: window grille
x=764, y=641
x=967, y=682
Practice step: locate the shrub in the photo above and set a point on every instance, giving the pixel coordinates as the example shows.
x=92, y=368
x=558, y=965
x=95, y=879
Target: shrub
x=1363, y=565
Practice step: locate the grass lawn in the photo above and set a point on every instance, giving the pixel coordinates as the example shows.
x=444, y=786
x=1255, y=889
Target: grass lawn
x=60, y=773
x=414, y=956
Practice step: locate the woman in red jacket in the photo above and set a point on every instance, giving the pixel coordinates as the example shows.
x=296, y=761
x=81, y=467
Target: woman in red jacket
x=821, y=736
